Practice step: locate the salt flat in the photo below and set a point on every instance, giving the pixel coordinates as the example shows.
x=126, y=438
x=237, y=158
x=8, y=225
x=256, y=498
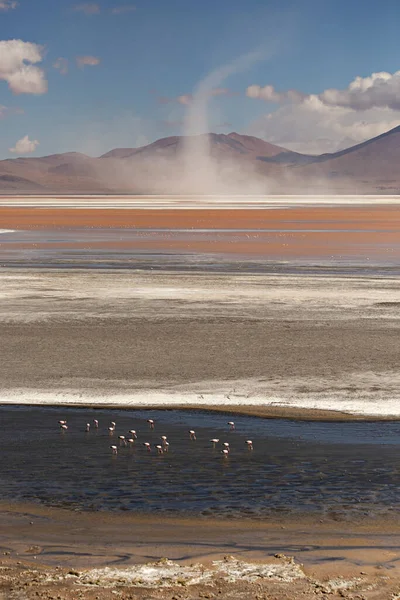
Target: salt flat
x=192, y=201
x=162, y=339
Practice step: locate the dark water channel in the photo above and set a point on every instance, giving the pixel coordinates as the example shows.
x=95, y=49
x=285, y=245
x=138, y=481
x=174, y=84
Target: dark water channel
x=336, y=469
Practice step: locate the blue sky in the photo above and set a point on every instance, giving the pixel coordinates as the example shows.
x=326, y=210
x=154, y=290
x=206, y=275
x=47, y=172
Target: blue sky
x=150, y=53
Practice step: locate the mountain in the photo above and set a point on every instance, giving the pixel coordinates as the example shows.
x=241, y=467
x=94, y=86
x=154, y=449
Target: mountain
x=374, y=162
x=235, y=143
x=237, y=164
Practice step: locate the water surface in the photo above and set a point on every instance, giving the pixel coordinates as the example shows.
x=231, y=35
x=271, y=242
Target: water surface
x=342, y=470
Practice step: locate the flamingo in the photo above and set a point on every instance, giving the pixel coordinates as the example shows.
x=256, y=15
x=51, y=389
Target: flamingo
x=231, y=425
x=111, y=430
x=192, y=434
x=87, y=429
x=159, y=449
x=122, y=440
x=249, y=444
x=131, y=441
x=214, y=441
x=95, y=423
x=114, y=449
x=225, y=453
x=226, y=447
x=133, y=434
x=151, y=423
x=166, y=446
x=147, y=446
x=63, y=427
x=62, y=422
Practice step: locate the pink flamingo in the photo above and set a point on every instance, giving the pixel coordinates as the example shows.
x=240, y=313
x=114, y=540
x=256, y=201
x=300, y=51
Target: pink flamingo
x=231, y=425
x=63, y=427
x=166, y=446
x=192, y=435
x=214, y=441
x=131, y=441
x=159, y=449
x=151, y=423
x=87, y=429
x=225, y=453
x=133, y=434
x=122, y=440
x=114, y=449
x=226, y=447
x=147, y=446
x=249, y=444
x=95, y=423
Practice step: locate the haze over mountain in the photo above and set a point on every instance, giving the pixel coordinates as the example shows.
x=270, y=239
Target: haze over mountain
x=239, y=164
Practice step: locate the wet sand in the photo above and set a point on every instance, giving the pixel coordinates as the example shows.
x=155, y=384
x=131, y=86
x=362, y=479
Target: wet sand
x=54, y=553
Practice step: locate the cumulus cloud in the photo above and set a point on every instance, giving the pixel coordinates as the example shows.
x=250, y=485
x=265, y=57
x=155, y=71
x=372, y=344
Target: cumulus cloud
x=378, y=90
x=312, y=127
x=6, y=5
x=87, y=61
x=126, y=8
x=333, y=119
x=24, y=146
x=61, y=64
x=17, y=67
x=88, y=8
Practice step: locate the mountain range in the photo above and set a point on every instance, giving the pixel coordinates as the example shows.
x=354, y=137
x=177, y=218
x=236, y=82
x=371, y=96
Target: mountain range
x=210, y=163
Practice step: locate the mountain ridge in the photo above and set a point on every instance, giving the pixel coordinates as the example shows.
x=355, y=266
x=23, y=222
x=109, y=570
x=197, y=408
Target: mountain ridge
x=159, y=167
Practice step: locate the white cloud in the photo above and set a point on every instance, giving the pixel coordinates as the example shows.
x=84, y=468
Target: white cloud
x=88, y=8
x=6, y=5
x=61, y=64
x=378, y=90
x=332, y=120
x=126, y=8
x=313, y=128
x=25, y=146
x=87, y=61
x=17, y=67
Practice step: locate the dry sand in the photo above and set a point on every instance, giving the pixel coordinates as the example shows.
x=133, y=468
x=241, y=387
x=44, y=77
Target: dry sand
x=127, y=339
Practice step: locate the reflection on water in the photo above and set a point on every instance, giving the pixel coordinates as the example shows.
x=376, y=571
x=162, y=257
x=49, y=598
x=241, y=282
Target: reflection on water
x=336, y=469
x=250, y=250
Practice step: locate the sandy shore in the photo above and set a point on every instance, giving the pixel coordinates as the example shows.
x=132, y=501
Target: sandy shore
x=52, y=553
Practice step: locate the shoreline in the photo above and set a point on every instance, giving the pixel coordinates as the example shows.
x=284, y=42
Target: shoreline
x=53, y=552
x=262, y=412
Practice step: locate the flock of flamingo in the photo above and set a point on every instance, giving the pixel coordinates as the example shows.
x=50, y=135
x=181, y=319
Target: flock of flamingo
x=160, y=448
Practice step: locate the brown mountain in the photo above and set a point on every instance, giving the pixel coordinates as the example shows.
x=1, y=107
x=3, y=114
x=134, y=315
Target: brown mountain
x=237, y=163
x=219, y=142
x=374, y=162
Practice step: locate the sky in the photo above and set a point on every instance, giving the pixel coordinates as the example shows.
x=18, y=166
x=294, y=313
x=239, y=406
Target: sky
x=312, y=76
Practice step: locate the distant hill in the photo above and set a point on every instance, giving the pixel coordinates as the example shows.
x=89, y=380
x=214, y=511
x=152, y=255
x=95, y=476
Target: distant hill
x=246, y=162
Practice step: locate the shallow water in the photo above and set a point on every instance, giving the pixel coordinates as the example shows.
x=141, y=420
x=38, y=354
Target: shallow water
x=335, y=469
x=216, y=250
